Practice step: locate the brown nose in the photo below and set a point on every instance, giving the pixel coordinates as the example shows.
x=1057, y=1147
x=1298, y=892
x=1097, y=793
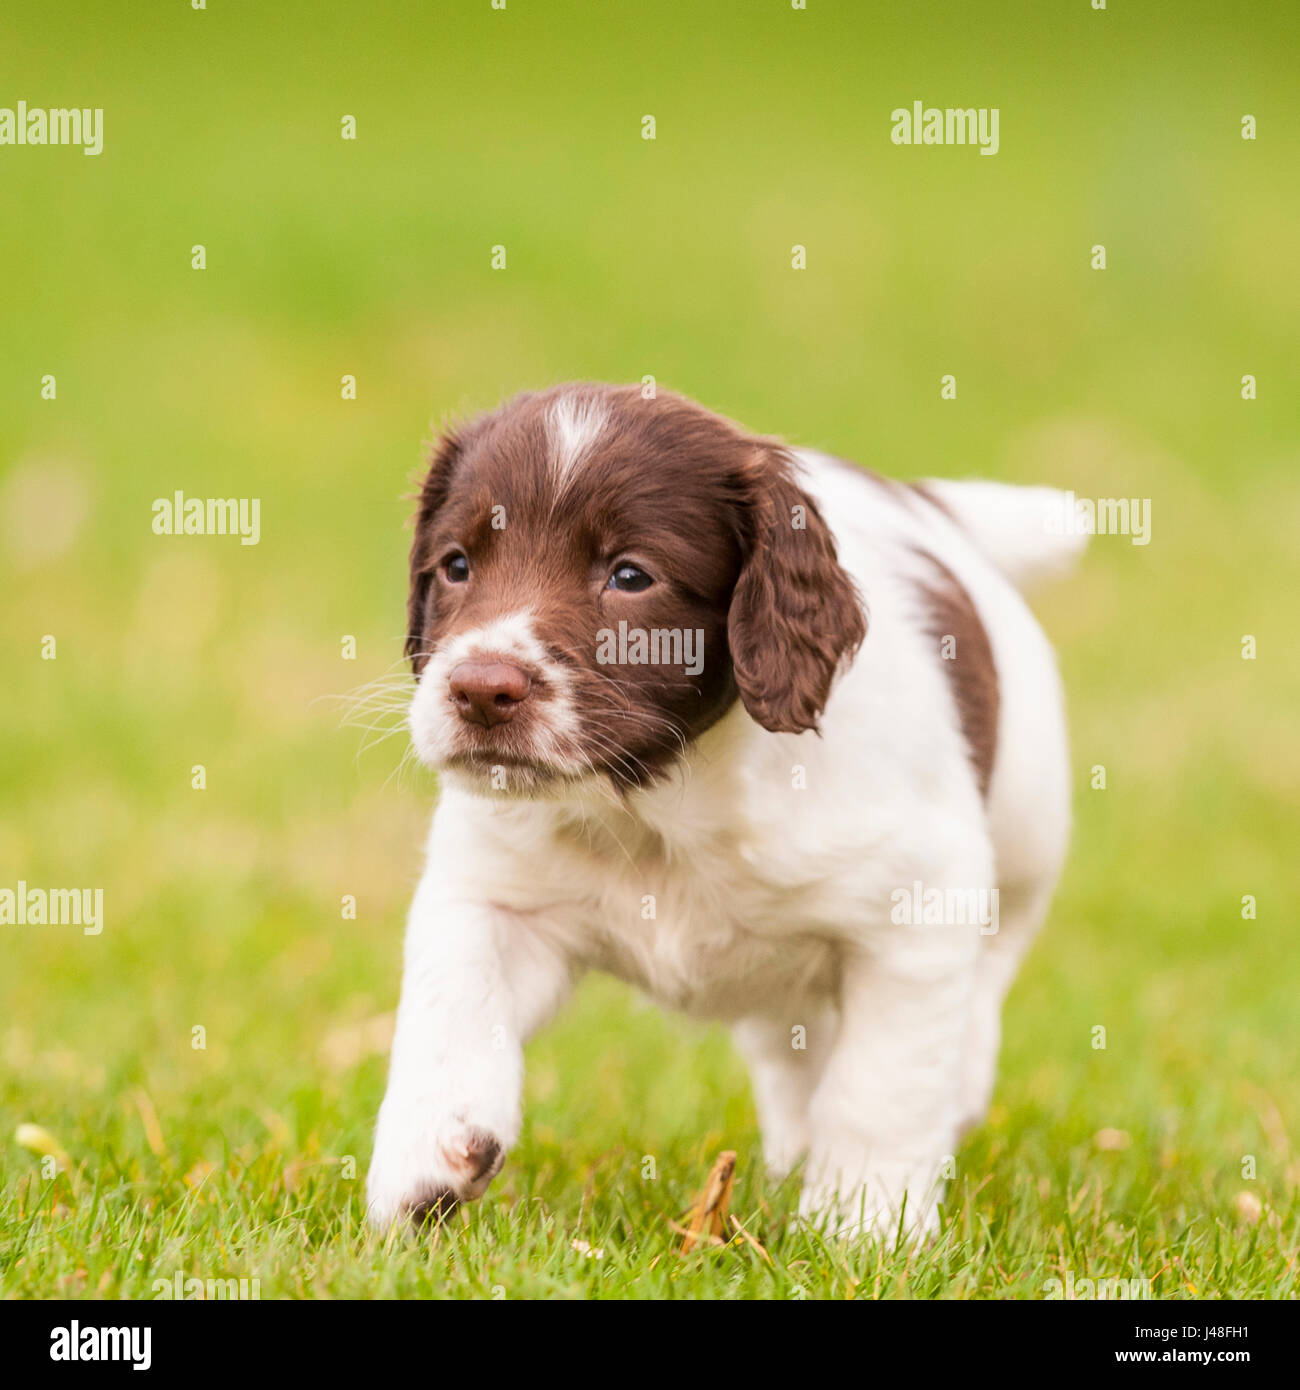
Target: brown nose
x=488, y=692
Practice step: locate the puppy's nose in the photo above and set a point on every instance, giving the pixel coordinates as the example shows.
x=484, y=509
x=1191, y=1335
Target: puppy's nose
x=488, y=692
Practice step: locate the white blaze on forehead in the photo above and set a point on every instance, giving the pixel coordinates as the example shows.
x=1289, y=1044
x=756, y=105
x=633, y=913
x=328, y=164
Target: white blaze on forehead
x=575, y=424
x=511, y=635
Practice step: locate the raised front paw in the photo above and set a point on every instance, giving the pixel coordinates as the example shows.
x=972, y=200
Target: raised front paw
x=424, y=1165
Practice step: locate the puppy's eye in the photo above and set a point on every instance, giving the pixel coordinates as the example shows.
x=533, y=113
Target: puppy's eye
x=630, y=579
x=456, y=568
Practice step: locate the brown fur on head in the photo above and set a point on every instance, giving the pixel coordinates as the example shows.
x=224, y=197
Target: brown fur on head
x=527, y=512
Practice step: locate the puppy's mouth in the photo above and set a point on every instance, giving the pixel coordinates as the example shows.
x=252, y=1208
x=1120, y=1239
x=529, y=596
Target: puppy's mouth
x=485, y=759
x=496, y=772
x=524, y=755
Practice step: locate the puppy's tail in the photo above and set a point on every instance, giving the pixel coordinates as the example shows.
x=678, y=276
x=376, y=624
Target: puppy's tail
x=1032, y=534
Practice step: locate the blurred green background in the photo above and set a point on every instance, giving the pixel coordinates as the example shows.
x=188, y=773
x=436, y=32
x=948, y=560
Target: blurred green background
x=625, y=257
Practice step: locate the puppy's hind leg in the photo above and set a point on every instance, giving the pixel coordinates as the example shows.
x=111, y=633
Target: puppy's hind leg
x=1020, y=914
x=786, y=1058
x=884, y=1116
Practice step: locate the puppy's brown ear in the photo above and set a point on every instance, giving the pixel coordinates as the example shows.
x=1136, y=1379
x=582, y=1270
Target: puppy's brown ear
x=433, y=493
x=796, y=616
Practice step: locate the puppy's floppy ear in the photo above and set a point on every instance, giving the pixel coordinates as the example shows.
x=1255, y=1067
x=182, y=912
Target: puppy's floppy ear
x=433, y=493
x=796, y=617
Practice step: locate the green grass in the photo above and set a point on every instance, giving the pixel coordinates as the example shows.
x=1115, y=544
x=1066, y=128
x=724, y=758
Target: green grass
x=246, y=1158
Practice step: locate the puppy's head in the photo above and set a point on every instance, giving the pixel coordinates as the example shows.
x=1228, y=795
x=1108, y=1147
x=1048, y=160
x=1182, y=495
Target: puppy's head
x=597, y=577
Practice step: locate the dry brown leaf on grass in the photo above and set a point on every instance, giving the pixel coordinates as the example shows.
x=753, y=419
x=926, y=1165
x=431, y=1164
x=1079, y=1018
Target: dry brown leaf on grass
x=708, y=1216
x=711, y=1211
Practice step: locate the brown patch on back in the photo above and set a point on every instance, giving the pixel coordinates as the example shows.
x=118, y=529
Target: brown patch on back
x=972, y=674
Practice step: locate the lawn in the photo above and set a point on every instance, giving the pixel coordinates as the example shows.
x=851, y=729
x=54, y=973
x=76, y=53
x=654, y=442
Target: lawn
x=210, y=1064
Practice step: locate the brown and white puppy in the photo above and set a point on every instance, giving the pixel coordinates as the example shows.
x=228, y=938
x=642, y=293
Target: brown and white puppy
x=627, y=617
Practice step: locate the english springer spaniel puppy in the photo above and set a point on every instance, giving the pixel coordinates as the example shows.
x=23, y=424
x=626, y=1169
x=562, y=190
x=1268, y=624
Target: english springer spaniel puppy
x=771, y=737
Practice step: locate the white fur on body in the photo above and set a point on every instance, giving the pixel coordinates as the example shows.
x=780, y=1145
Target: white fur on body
x=772, y=861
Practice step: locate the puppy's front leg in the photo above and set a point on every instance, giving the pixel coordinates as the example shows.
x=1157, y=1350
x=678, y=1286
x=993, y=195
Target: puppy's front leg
x=884, y=1116
x=476, y=982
